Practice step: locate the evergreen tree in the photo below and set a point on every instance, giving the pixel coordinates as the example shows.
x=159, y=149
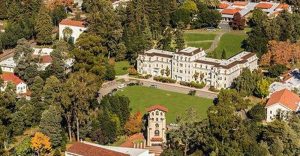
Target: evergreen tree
x=50, y=125
x=43, y=27
x=179, y=40
x=57, y=14
x=223, y=56
x=3, y=9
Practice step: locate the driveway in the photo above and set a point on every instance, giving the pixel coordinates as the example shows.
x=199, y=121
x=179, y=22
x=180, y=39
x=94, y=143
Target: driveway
x=110, y=86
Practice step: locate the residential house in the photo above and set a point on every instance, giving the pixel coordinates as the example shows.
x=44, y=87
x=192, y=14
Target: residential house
x=289, y=80
x=91, y=149
x=21, y=86
x=77, y=27
x=281, y=103
x=187, y=63
x=44, y=57
x=156, y=129
x=8, y=65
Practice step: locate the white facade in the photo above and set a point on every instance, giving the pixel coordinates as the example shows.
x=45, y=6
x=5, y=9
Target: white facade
x=8, y=65
x=42, y=51
x=274, y=110
x=156, y=130
x=76, y=27
x=292, y=83
x=187, y=63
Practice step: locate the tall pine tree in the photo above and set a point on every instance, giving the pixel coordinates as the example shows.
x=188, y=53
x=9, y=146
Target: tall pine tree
x=43, y=27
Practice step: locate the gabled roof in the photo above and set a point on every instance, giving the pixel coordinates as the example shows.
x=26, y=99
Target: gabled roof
x=46, y=59
x=240, y=3
x=130, y=141
x=229, y=11
x=264, y=5
x=282, y=6
x=286, y=98
x=70, y=22
x=83, y=149
x=10, y=77
x=223, y=5
x=159, y=107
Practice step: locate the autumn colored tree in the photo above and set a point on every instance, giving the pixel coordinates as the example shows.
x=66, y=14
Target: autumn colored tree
x=284, y=53
x=134, y=124
x=238, y=22
x=51, y=4
x=40, y=143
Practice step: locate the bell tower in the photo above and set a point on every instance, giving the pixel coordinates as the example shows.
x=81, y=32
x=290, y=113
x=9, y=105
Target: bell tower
x=156, y=130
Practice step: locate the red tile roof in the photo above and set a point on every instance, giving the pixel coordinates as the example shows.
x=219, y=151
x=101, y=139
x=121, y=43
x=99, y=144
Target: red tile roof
x=286, y=98
x=10, y=77
x=229, y=11
x=240, y=3
x=70, y=22
x=90, y=150
x=46, y=59
x=282, y=6
x=223, y=5
x=159, y=107
x=264, y=5
x=156, y=139
x=130, y=141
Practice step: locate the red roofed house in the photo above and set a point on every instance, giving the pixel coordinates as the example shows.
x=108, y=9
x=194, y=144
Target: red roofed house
x=240, y=4
x=21, y=86
x=223, y=5
x=282, y=101
x=77, y=27
x=156, y=130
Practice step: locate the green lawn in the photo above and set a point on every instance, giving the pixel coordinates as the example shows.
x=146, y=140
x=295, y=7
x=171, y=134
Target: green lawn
x=199, y=39
x=144, y=97
x=121, y=67
x=231, y=42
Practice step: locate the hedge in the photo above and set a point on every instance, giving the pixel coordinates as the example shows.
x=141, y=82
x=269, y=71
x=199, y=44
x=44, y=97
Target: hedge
x=164, y=79
x=193, y=84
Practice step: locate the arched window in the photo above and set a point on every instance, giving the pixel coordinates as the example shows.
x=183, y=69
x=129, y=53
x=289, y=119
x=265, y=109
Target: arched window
x=156, y=125
x=152, y=113
x=161, y=113
x=156, y=132
x=157, y=113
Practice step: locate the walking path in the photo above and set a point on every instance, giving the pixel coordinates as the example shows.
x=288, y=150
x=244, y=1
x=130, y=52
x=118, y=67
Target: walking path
x=216, y=41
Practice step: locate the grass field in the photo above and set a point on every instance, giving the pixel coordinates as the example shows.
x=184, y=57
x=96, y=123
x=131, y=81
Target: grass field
x=231, y=42
x=121, y=67
x=144, y=97
x=199, y=39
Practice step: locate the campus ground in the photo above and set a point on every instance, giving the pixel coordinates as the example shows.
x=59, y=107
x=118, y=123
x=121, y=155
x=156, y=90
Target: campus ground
x=144, y=97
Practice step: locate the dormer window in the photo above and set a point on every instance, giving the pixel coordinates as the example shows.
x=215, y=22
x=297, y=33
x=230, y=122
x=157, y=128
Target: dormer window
x=157, y=112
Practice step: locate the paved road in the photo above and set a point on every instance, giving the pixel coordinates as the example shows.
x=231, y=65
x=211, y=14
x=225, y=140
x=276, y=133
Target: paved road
x=109, y=86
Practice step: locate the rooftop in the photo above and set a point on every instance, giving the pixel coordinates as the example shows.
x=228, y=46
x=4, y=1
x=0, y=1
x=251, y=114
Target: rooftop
x=8, y=63
x=10, y=77
x=157, y=107
x=286, y=98
x=264, y=5
x=229, y=11
x=74, y=23
x=46, y=59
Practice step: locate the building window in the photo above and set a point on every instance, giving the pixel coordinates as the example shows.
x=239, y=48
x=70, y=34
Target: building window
x=270, y=112
x=156, y=119
x=152, y=113
x=156, y=125
x=161, y=113
x=156, y=132
x=157, y=113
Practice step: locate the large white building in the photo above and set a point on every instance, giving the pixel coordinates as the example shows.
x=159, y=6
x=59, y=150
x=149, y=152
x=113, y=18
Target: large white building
x=191, y=64
x=281, y=103
x=8, y=65
x=77, y=27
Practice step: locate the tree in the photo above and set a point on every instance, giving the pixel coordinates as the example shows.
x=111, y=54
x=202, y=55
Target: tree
x=134, y=124
x=79, y=89
x=50, y=125
x=196, y=75
x=179, y=40
x=262, y=88
x=40, y=143
x=206, y=17
x=58, y=14
x=165, y=42
x=67, y=32
x=276, y=70
x=223, y=56
x=257, y=41
x=162, y=72
x=43, y=27
x=3, y=9
x=24, y=148
x=246, y=82
x=257, y=113
x=258, y=17
x=168, y=71
x=238, y=22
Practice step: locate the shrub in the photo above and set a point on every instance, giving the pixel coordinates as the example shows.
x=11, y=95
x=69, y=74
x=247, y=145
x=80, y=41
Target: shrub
x=193, y=84
x=164, y=79
x=132, y=71
x=144, y=76
x=257, y=113
x=213, y=89
x=192, y=92
x=277, y=70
